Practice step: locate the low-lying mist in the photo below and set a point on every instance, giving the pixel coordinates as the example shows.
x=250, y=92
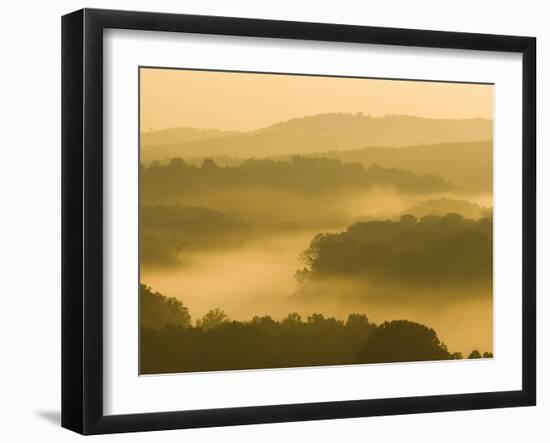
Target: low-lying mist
x=233, y=238
x=258, y=279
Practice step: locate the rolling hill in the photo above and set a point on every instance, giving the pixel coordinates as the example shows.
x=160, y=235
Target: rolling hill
x=468, y=165
x=177, y=136
x=317, y=133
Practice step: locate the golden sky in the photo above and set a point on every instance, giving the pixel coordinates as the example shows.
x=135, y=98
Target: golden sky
x=245, y=101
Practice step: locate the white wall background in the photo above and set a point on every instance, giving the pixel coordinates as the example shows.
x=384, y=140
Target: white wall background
x=30, y=218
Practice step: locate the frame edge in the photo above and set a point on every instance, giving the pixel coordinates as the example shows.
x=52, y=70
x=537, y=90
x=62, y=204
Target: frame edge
x=529, y=220
x=72, y=169
x=81, y=236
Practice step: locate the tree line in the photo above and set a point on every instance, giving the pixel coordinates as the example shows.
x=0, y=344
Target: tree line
x=171, y=342
x=166, y=230
x=428, y=252
x=300, y=174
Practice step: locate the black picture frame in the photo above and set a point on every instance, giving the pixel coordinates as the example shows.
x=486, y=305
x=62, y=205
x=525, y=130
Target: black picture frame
x=82, y=220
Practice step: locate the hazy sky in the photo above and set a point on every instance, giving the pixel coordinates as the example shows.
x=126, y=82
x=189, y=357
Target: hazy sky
x=239, y=101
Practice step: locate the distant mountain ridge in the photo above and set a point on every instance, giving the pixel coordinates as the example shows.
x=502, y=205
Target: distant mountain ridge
x=181, y=136
x=467, y=164
x=317, y=133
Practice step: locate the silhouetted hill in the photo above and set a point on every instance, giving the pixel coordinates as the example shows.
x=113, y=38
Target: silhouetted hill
x=391, y=130
x=444, y=206
x=170, y=219
x=166, y=231
x=324, y=132
x=430, y=252
x=469, y=165
x=174, y=136
x=299, y=175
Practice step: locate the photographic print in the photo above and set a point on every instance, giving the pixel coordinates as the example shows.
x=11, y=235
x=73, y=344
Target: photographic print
x=252, y=209
x=304, y=220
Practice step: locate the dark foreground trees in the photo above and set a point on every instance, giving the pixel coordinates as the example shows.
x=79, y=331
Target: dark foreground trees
x=171, y=343
x=402, y=340
x=158, y=310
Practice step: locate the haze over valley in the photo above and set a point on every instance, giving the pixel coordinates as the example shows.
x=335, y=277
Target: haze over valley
x=331, y=214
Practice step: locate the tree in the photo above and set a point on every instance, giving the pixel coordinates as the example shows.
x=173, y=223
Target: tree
x=402, y=340
x=302, y=276
x=157, y=311
x=265, y=321
x=487, y=355
x=212, y=319
x=408, y=220
x=315, y=318
x=474, y=354
x=357, y=321
x=209, y=164
x=293, y=319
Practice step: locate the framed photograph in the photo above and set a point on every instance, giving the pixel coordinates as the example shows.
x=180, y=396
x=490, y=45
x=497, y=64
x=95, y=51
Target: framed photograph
x=268, y=221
